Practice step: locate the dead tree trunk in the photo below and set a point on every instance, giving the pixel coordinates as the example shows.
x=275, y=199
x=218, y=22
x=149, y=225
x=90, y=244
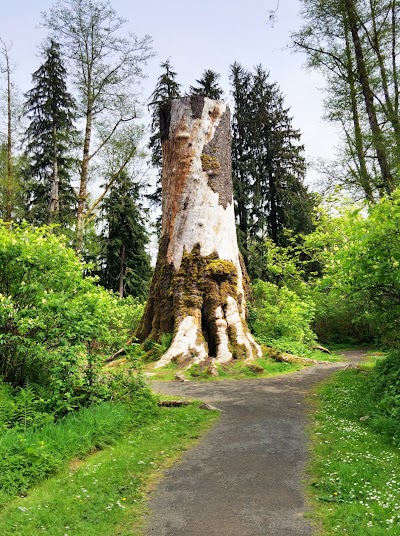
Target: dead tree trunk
x=198, y=291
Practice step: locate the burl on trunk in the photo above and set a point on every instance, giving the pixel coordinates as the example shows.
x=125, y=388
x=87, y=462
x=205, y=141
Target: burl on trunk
x=198, y=291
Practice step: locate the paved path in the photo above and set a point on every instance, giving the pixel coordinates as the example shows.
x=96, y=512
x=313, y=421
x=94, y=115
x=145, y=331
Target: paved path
x=245, y=477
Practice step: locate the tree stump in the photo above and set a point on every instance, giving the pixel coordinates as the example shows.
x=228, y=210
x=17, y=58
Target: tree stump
x=198, y=290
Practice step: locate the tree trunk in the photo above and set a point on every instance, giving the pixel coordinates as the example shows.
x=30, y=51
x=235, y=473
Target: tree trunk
x=84, y=174
x=365, y=181
x=9, y=198
x=121, y=271
x=54, y=207
x=199, y=284
x=377, y=135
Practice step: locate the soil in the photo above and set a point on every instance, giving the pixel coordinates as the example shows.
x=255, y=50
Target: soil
x=245, y=478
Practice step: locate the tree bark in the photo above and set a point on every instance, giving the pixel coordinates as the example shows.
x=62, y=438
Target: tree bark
x=365, y=181
x=199, y=284
x=54, y=207
x=8, y=209
x=121, y=271
x=377, y=135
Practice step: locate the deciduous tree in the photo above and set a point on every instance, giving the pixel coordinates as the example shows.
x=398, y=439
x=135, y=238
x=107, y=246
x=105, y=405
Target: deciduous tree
x=106, y=67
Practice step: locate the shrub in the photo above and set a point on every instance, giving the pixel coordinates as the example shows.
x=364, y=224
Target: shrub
x=56, y=325
x=385, y=391
x=280, y=313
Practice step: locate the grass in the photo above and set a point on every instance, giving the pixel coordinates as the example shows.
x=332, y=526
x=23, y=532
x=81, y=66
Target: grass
x=106, y=493
x=29, y=456
x=354, y=480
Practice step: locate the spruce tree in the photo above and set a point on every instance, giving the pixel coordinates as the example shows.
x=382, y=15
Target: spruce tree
x=167, y=88
x=208, y=86
x=268, y=166
x=126, y=264
x=49, y=107
x=241, y=155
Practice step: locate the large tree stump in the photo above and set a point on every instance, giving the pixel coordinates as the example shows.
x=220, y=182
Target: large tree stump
x=198, y=291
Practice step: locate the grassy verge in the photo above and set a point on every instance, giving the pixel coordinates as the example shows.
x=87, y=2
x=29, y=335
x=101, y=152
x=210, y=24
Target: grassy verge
x=105, y=494
x=29, y=456
x=354, y=473
x=236, y=370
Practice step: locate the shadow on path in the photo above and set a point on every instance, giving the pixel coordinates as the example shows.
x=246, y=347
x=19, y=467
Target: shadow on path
x=245, y=477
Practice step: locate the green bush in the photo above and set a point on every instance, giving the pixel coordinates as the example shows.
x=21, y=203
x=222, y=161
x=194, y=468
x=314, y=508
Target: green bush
x=56, y=325
x=384, y=383
x=280, y=313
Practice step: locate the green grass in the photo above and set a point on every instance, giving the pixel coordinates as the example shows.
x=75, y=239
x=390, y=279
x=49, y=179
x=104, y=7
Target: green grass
x=237, y=370
x=29, y=456
x=106, y=493
x=354, y=475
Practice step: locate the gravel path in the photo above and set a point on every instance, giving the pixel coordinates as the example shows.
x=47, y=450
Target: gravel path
x=245, y=477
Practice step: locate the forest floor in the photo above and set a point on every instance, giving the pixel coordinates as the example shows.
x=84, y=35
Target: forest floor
x=245, y=478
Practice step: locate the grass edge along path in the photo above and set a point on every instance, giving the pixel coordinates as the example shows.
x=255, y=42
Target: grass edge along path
x=354, y=473
x=106, y=493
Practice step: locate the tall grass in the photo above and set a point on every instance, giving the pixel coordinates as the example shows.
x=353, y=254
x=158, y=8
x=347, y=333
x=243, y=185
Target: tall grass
x=29, y=456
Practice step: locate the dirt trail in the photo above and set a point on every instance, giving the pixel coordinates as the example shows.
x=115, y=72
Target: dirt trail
x=245, y=477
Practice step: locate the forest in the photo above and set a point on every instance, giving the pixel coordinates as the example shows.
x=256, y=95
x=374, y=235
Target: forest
x=81, y=202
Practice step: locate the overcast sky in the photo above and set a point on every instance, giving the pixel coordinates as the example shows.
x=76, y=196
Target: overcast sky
x=206, y=34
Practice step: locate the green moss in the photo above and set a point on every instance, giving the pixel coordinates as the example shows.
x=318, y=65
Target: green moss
x=198, y=288
x=210, y=163
x=239, y=351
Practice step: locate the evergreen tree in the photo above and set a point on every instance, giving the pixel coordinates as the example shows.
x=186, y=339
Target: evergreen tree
x=268, y=166
x=166, y=89
x=49, y=107
x=241, y=155
x=126, y=265
x=208, y=86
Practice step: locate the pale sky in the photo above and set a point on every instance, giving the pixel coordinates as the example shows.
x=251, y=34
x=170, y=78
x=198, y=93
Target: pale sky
x=207, y=34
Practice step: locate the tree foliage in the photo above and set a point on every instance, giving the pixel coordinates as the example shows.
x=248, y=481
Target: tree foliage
x=106, y=68
x=208, y=85
x=126, y=267
x=55, y=324
x=50, y=138
x=355, y=45
x=268, y=166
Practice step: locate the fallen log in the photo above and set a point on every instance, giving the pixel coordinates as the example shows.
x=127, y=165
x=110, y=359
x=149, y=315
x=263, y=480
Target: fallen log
x=289, y=358
x=322, y=349
x=121, y=351
x=172, y=403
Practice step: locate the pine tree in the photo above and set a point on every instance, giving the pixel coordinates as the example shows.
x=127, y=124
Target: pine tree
x=49, y=195
x=166, y=89
x=126, y=265
x=208, y=86
x=268, y=165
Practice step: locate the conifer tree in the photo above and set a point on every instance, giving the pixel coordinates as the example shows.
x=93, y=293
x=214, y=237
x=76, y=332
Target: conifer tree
x=241, y=155
x=167, y=88
x=126, y=265
x=49, y=107
x=208, y=86
x=268, y=165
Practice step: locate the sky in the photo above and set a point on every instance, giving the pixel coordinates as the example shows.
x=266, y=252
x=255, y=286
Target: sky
x=206, y=34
